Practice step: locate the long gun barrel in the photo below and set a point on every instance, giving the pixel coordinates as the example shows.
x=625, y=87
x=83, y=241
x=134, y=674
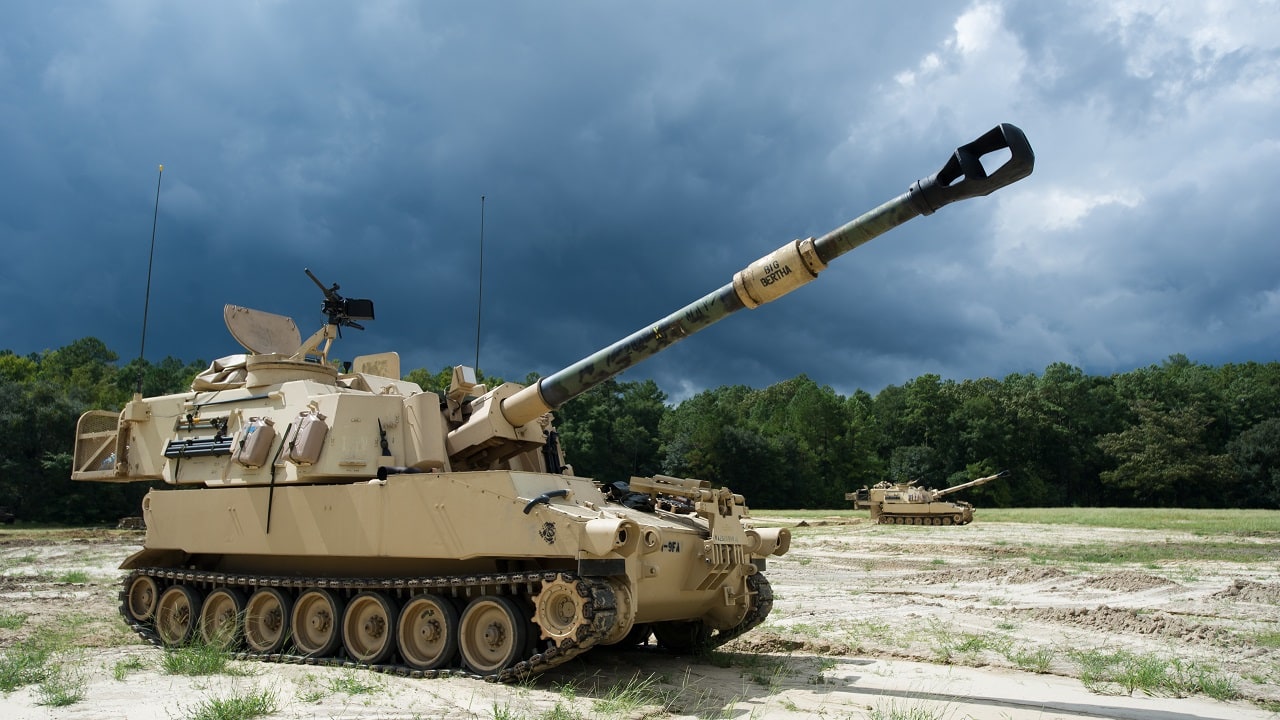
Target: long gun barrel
x=971, y=483
x=783, y=270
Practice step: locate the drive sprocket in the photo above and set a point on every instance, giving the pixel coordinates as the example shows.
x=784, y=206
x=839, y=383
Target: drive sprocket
x=563, y=610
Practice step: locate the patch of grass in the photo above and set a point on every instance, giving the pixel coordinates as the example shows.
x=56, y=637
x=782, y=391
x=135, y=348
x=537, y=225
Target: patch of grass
x=895, y=710
x=1114, y=673
x=1033, y=659
x=806, y=629
x=199, y=658
x=950, y=646
x=871, y=630
x=765, y=670
x=504, y=712
x=34, y=661
x=1199, y=522
x=63, y=685
x=1266, y=638
x=25, y=663
x=1200, y=679
x=1264, y=523
x=309, y=690
x=560, y=712
x=31, y=661
x=354, y=683
x=245, y=706
x=12, y=621
x=1151, y=553
x=631, y=695
x=122, y=668
x=74, y=576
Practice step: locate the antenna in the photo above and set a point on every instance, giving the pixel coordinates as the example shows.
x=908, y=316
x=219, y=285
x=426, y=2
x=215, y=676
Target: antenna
x=146, y=303
x=480, y=284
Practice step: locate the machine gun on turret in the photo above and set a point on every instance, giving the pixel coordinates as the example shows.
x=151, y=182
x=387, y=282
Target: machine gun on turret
x=339, y=310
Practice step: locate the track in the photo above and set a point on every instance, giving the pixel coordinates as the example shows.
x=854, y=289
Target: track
x=598, y=613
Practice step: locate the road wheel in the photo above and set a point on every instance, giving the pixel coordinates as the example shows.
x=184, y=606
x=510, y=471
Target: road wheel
x=427, y=632
x=176, y=614
x=369, y=627
x=493, y=634
x=266, y=620
x=316, y=618
x=140, y=600
x=221, y=617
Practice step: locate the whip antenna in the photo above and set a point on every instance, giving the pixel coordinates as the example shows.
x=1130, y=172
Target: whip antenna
x=480, y=284
x=146, y=303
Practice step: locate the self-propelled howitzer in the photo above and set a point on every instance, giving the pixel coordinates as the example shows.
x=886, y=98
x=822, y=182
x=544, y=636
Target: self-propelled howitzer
x=354, y=517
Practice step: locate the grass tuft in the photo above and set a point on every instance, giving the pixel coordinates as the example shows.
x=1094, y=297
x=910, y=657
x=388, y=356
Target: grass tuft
x=199, y=658
x=63, y=685
x=122, y=668
x=11, y=620
x=251, y=704
x=631, y=695
x=1124, y=672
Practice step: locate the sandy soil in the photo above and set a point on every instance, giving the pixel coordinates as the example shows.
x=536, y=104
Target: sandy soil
x=869, y=622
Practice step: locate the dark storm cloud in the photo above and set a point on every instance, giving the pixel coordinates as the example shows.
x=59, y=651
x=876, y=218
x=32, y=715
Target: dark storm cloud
x=633, y=158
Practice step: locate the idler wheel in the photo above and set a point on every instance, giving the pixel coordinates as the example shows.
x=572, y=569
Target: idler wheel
x=427, y=632
x=369, y=627
x=221, y=616
x=625, y=614
x=140, y=599
x=176, y=614
x=316, y=618
x=492, y=634
x=561, y=610
x=266, y=620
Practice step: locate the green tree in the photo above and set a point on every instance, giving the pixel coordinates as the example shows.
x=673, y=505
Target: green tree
x=1163, y=459
x=1255, y=456
x=611, y=432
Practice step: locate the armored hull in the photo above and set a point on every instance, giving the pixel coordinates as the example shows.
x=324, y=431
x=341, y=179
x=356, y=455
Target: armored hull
x=328, y=517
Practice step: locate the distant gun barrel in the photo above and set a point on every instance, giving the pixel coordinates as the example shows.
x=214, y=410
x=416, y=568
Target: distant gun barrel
x=783, y=270
x=971, y=483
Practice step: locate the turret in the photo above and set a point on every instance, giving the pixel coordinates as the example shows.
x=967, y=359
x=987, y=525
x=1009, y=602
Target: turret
x=504, y=411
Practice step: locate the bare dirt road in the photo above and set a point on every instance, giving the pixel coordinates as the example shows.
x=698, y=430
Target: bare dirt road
x=989, y=620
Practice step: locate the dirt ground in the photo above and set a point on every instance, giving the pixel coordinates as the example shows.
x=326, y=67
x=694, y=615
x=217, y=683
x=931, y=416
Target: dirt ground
x=869, y=621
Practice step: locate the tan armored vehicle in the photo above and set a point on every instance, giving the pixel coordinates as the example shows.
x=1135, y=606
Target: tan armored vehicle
x=906, y=504
x=334, y=516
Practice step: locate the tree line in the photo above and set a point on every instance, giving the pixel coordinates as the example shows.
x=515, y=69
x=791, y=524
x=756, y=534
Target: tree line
x=1177, y=434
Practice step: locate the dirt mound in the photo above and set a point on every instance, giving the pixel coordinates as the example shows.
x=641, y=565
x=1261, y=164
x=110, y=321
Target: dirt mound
x=1246, y=591
x=1123, y=620
x=1009, y=576
x=769, y=642
x=1128, y=581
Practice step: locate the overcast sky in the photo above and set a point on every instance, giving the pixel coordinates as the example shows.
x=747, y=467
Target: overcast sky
x=632, y=157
